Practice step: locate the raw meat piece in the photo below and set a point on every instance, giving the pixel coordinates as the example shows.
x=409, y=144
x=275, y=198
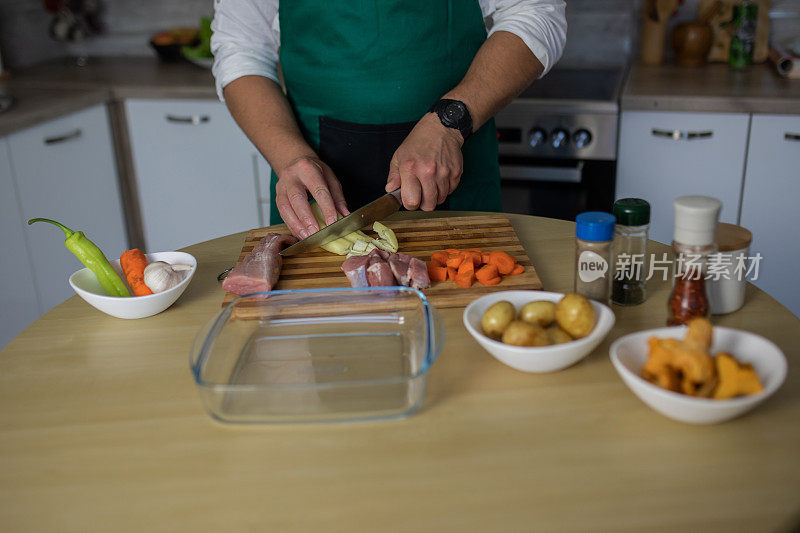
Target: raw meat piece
x=383, y=255
x=419, y=274
x=260, y=269
x=385, y=269
x=355, y=268
x=400, y=268
x=379, y=274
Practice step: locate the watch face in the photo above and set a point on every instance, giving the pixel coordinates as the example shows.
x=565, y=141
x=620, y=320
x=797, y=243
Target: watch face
x=453, y=112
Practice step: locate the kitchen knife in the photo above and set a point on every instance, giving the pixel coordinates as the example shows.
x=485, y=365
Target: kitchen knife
x=360, y=218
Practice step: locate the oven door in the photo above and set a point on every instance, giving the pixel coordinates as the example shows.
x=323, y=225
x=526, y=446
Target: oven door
x=556, y=188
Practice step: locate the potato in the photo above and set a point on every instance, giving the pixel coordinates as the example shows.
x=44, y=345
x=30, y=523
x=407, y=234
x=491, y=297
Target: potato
x=575, y=315
x=497, y=318
x=558, y=335
x=541, y=313
x=520, y=333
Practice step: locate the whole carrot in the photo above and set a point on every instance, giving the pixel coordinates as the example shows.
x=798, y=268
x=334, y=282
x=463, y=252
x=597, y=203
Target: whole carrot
x=133, y=263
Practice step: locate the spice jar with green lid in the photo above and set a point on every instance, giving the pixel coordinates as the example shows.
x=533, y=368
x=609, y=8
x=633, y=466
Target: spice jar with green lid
x=630, y=251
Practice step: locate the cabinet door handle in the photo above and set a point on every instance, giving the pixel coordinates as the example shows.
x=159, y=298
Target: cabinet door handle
x=193, y=119
x=687, y=135
x=63, y=138
x=792, y=136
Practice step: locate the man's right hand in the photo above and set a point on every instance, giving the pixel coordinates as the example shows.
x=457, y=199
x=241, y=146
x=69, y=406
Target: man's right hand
x=301, y=176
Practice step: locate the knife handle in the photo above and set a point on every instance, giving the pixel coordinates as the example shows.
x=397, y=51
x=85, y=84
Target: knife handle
x=397, y=196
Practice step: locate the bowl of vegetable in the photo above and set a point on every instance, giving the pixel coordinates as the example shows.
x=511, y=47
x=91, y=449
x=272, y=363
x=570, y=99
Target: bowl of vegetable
x=536, y=331
x=698, y=374
x=165, y=275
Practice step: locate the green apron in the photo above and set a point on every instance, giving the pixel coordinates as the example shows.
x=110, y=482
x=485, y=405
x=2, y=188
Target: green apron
x=360, y=73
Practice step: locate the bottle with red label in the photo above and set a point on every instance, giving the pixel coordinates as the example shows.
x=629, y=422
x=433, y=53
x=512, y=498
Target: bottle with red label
x=694, y=240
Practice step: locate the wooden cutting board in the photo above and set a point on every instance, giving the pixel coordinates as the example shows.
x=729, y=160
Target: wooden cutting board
x=420, y=238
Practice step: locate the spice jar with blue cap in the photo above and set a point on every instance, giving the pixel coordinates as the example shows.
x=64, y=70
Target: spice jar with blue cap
x=594, y=270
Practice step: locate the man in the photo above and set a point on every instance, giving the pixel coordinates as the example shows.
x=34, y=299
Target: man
x=380, y=94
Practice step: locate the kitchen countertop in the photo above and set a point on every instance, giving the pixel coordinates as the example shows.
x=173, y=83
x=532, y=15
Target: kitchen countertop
x=714, y=88
x=125, y=77
x=56, y=88
x=35, y=105
x=102, y=424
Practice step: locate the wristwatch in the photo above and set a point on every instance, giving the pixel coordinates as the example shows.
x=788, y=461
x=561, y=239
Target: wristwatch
x=454, y=114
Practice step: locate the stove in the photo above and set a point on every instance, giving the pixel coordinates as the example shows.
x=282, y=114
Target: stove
x=558, y=143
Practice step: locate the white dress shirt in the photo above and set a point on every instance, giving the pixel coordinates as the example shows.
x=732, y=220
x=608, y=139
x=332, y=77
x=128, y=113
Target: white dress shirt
x=247, y=35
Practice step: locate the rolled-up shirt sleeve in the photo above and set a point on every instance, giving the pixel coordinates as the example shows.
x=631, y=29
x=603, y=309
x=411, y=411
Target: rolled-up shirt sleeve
x=541, y=24
x=245, y=40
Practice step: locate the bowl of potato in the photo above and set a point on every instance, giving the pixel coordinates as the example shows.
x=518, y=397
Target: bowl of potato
x=536, y=331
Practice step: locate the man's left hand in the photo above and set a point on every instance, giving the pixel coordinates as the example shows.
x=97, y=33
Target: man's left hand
x=428, y=165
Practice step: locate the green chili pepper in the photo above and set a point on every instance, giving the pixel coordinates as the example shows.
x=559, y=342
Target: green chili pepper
x=90, y=255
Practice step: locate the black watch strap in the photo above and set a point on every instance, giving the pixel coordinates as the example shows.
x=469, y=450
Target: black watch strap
x=454, y=114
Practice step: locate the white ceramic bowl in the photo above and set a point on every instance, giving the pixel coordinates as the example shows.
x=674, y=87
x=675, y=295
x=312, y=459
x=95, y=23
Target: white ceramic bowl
x=536, y=358
x=629, y=353
x=85, y=284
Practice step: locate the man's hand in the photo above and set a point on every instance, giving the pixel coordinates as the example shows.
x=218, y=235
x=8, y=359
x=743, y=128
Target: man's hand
x=428, y=165
x=301, y=176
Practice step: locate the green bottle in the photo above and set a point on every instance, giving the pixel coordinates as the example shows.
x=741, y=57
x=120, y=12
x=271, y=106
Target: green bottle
x=743, y=36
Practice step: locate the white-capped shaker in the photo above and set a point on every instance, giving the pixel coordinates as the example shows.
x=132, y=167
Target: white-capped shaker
x=727, y=279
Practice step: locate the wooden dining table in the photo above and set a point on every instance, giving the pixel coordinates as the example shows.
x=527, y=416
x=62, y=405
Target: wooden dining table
x=102, y=429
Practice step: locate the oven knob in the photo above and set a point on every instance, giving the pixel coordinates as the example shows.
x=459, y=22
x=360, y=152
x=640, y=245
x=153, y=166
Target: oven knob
x=582, y=138
x=537, y=137
x=560, y=138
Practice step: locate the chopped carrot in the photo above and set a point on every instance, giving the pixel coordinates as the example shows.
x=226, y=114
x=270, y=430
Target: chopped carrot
x=504, y=262
x=470, y=265
x=465, y=280
x=455, y=260
x=133, y=263
x=474, y=257
x=439, y=257
x=437, y=272
x=487, y=272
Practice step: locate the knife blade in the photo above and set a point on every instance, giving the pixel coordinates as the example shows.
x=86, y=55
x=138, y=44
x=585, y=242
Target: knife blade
x=360, y=218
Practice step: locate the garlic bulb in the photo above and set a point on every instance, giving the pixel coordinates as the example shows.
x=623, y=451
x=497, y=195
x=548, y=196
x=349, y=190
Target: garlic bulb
x=160, y=276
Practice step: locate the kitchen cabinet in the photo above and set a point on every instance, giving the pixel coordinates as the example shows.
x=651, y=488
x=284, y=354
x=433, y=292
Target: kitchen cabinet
x=769, y=204
x=65, y=170
x=19, y=305
x=666, y=155
x=197, y=175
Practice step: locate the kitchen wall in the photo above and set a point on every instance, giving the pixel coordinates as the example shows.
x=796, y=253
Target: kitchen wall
x=601, y=32
x=607, y=31
x=24, y=38
x=784, y=19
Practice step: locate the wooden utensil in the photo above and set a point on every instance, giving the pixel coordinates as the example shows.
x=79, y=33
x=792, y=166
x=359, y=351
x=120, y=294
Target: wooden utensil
x=654, y=29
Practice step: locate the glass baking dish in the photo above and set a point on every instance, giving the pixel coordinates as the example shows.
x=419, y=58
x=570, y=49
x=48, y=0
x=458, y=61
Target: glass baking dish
x=317, y=355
